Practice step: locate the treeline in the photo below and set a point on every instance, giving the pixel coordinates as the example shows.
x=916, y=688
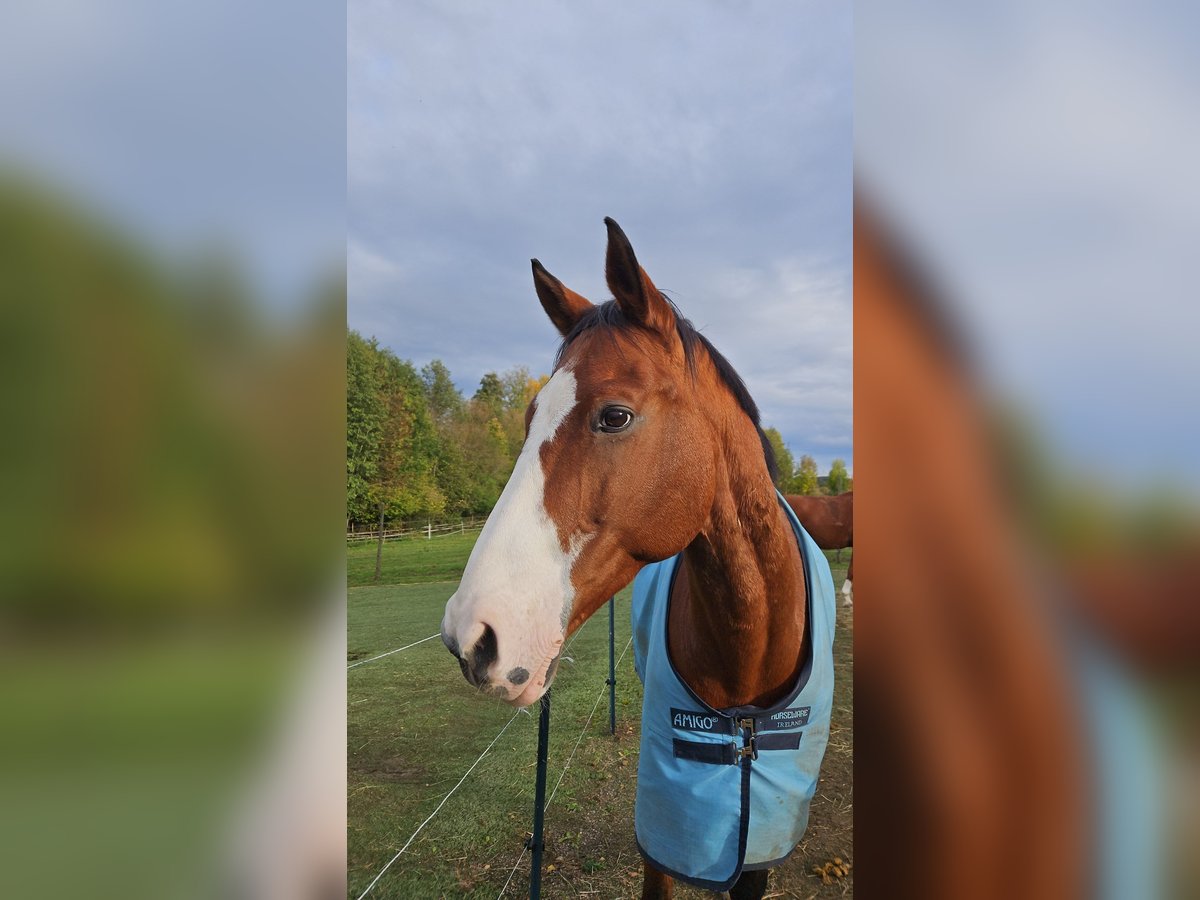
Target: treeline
x=158, y=469
x=802, y=477
x=416, y=447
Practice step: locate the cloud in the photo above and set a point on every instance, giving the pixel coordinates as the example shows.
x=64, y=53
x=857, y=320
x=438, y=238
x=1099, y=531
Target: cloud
x=718, y=135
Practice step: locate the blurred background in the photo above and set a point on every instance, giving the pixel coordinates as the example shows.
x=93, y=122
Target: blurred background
x=1025, y=188
x=172, y=328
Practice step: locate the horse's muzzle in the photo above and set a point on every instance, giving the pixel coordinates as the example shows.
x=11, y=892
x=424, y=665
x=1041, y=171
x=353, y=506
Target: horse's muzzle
x=477, y=660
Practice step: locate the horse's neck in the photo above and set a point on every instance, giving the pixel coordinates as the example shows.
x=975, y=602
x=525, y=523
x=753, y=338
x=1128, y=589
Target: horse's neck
x=736, y=624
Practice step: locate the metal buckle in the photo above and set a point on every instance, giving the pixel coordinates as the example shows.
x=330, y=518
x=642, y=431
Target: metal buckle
x=749, y=735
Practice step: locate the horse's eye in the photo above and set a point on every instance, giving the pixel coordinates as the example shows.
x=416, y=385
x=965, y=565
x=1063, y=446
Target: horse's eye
x=615, y=418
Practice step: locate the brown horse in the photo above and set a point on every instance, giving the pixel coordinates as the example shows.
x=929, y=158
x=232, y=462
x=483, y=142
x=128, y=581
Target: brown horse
x=964, y=715
x=830, y=522
x=972, y=711
x=643, y=444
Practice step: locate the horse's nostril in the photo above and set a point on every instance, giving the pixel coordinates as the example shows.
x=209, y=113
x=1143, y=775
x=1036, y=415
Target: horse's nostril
x=481, y=656
x=451, y=644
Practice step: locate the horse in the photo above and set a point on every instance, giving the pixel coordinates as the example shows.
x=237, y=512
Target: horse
x=643, y=446
x=985, y=709
x=830, y=521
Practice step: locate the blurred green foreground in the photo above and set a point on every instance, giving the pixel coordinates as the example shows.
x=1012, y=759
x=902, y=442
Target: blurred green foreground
x=170, y=535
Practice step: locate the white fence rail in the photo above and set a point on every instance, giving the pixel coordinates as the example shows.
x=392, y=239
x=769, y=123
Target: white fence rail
x=428, y=531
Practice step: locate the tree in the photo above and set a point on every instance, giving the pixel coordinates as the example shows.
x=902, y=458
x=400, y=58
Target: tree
x=532, y=386
x=490, y=393
x=511, y=415
x=404, y=483
x=480, y=439
x=443, y=397
x=839, y=478
x=452, y=474
x=514, y=382
x=364, y=424
x=783, y=459
x=416, y=447
x=806, y=476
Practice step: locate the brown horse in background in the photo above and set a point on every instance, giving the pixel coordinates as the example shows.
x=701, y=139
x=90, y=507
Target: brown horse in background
x=829, y=520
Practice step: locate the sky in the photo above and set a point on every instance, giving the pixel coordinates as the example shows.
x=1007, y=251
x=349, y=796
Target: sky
x=719, y=135
x=1042, y=160
x=1042, y=155
x=194, y=127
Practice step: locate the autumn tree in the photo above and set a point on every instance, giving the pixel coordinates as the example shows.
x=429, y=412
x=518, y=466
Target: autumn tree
x=532, y=386
x=415, y=447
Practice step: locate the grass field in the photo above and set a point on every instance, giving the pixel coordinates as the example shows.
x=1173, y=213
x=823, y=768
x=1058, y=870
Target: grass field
x=415, y=727
x=411, y=560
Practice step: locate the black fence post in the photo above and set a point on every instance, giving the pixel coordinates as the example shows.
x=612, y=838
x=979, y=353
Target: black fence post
x=612, y=667
x=539, y=802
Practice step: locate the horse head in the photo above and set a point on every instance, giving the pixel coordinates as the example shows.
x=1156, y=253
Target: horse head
x=619, y=469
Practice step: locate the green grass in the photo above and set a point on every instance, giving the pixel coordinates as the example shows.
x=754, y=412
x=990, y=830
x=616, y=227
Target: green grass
x=410, y=560
x=415, y=727
x=119, y=761
x=384, y=617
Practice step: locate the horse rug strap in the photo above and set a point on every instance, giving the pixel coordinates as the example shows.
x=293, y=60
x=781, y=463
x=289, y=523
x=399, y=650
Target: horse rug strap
x=722, y=791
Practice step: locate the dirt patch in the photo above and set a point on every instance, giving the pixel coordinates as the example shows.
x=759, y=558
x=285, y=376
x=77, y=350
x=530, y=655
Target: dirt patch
x=394, y=768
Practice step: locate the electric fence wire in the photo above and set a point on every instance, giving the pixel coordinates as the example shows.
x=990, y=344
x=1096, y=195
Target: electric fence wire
x=363, y=662
x=439, y=807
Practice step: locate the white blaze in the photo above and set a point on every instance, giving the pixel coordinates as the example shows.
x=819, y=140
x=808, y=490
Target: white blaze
x=518, y=579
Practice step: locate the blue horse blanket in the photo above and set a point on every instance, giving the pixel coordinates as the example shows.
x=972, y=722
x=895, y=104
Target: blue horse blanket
x=722, y=791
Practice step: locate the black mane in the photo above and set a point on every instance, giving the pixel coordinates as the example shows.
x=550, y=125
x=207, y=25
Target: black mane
x=607, y=317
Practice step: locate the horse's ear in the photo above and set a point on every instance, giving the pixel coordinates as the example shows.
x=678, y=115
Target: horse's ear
x=635, y=293
x=562, y=305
